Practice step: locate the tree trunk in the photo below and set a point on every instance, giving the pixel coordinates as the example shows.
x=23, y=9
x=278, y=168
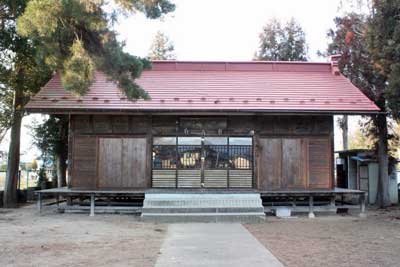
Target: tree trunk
x=61, y=170
x=62, y=152
x=10, y=187
x=345, y=132
x=383, y=198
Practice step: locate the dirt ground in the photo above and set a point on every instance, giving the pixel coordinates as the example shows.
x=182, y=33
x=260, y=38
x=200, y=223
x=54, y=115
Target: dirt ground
x=53, y=239
x=334, y=240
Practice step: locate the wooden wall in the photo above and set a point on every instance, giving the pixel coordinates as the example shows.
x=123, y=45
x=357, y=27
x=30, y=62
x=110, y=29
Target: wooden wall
x=122, y=163
x=110, y=152
x=294, y=163
x=114, y=151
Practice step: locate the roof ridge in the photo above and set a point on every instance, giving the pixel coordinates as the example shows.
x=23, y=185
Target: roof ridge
x=241, y=62
x=288, y=66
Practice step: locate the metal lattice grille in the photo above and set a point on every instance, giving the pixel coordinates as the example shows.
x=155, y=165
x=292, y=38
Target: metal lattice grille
x=216, y=157
x=164, y=157
x=189, y=157
x=241, y=157
x=211, y=162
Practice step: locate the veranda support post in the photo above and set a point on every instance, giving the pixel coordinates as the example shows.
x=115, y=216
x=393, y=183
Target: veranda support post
x=311, y=214
x=92, y=205
x=362, y=199
x=39, y=202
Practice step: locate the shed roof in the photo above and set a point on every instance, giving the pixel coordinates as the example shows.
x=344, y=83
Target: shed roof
x=255, y=86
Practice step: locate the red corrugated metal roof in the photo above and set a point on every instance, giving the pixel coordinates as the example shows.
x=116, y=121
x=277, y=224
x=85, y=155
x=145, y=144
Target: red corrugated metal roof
x=218, y=86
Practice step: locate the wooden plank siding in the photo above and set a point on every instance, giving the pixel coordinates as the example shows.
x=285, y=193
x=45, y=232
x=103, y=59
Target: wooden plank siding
x=269, y=162
x=320, y=163
x=110, y=163
x=84, y=158
x=295, y=163
x=135, y=163
x=115, y=151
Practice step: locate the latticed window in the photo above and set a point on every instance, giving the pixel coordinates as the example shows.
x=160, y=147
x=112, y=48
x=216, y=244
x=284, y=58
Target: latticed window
x=164, y=153
x=240, y=153
x=202, y=161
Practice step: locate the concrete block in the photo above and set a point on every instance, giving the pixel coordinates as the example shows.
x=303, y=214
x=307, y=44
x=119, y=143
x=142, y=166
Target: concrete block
x=283, y=212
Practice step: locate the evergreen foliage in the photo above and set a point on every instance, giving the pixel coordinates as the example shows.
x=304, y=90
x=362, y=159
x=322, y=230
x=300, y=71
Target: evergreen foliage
x=51, y=137
x=19, y=66
x=370, y=45
x=76, y=38
x=162, y=48
x=282, y=42
x=383, y=38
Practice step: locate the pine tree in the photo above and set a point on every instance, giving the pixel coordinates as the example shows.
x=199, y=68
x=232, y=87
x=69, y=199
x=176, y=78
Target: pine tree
x=369, y=45
x=162, y=48
x=21, y=74
x=383, y=38
x=282, y=42
x=74, y=37
x=349, y=41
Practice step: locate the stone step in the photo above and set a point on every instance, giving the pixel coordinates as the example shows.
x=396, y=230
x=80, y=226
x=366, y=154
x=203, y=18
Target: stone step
x=203, y=207
x=254, y=217
x=203, y=200
x=201, y=203
x=180, y=209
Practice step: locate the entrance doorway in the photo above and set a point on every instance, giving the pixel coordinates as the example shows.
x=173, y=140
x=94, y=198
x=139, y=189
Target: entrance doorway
x=202, y=162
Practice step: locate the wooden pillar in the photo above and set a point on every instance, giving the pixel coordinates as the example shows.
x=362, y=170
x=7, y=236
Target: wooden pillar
x=58, y=202
x=39, y=203
x=92, y=205
x=311, y=214
x=294, y=202
x=69, y=201
x=362, y=200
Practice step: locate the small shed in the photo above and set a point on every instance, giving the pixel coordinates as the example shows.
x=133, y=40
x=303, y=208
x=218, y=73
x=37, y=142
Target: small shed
x=358, y=169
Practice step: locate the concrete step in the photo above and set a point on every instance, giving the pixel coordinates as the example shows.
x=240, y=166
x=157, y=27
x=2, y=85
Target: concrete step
x=249, y=217
x=203, y=207
x=180, y=209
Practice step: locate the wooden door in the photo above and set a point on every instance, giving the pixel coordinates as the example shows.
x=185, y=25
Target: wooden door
x=294, y=163
x=320, y=163
x=134, y=163
x=122, y=163
x=282, y=163
x=269, y=163
x=83, y=163
x=110, y=163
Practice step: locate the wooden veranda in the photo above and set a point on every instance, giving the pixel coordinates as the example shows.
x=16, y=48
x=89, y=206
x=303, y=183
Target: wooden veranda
x=297, y=200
